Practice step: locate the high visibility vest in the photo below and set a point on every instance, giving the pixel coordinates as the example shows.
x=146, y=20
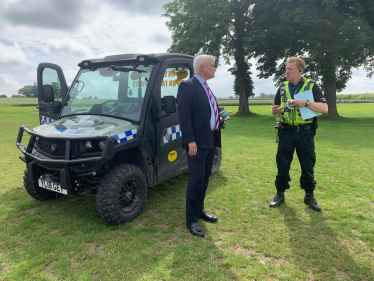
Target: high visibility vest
x=292, y=115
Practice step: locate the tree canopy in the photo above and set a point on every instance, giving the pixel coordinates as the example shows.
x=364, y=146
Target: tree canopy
x=220, y=28
x=29, y=91
x=332, y=36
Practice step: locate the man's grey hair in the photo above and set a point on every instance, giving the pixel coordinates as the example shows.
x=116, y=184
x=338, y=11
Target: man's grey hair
x=201, y=59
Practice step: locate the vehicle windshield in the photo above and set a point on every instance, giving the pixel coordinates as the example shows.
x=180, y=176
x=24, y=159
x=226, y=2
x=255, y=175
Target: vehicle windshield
x=116, y=91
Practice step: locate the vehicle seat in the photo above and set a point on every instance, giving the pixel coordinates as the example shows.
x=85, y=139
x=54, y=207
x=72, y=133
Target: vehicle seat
x=96, y=109
x=48, y=93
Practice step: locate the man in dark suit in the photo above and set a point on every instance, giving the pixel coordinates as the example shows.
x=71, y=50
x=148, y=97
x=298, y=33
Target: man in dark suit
x=200, y=122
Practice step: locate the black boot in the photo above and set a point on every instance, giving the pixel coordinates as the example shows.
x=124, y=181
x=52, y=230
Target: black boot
x=278, y=199
x=311, y=202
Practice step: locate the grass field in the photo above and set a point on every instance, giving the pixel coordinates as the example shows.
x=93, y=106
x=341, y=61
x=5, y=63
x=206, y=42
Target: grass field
x=67, y=240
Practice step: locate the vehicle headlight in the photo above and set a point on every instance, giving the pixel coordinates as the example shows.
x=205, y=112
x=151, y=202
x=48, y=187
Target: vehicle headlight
x=89, y=144
x=102, y=145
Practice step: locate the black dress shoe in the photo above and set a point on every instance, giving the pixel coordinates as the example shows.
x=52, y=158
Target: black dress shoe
x=312, y=202
x=195, y=229
x=208, y=217
x=278, y=199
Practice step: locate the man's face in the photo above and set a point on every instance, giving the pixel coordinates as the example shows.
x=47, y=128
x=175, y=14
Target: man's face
x=209, y=69
x=293, y=73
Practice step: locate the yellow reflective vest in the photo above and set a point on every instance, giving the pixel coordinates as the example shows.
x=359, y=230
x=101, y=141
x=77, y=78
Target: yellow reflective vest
x=292, y=115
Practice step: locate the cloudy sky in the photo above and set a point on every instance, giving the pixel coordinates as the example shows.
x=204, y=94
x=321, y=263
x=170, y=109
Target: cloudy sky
x=66, y=32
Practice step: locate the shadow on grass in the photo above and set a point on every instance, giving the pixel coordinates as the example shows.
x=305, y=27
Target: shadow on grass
x=318, y=252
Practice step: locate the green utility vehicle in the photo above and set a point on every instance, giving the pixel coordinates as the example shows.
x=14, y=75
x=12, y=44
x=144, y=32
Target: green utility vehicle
x=115, y=132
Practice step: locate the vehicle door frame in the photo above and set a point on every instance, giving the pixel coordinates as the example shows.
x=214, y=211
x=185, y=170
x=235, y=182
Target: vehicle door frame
x=46, y=113
x=161, y=161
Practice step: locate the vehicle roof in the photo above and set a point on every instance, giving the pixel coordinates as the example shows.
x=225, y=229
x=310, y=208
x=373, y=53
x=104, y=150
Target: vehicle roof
x=122, y=58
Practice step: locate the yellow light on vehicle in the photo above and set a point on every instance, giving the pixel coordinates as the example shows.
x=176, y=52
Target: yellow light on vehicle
x=101, y=145
x=89, y=144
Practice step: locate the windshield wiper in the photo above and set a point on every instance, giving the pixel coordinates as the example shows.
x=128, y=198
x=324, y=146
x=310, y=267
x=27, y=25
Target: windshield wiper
x=125, y=69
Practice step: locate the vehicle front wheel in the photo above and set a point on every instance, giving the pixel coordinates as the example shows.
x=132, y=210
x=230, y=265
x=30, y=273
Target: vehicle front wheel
x=121, y=194
x=37, y=192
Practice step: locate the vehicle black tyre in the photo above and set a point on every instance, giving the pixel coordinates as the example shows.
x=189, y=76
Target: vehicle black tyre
x=37, y=192
x=217, y=160
x=121, y=194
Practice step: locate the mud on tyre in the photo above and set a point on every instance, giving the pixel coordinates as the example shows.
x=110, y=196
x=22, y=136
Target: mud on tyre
x=121, y=194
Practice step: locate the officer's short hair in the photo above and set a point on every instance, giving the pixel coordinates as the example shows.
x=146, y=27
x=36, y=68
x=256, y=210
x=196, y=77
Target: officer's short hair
x=300, y=63
x=201, y=59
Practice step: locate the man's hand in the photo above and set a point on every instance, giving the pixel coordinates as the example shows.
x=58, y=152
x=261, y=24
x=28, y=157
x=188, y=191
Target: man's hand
x=192, y=148
x=275, y=109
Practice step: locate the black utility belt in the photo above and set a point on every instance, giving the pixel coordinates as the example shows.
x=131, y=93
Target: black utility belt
x=295, y=127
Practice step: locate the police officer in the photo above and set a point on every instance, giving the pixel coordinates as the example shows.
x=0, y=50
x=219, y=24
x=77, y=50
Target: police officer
x=294, y=132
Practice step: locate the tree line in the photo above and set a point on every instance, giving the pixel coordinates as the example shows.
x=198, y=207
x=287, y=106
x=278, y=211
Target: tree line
x=356, y=97
x=31, y=91
x=333, y=37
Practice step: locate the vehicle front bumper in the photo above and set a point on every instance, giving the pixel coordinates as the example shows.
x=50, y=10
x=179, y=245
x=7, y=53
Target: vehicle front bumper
x=64, y=166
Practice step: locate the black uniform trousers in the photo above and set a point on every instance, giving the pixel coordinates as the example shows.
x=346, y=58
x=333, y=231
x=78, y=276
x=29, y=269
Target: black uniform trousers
x=303, y=141
x=199, y=171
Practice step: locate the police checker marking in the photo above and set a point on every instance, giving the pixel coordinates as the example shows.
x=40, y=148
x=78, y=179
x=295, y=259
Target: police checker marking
x=54, y=186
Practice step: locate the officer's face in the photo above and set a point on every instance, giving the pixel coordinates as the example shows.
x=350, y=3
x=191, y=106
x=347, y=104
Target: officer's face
x=292, y=72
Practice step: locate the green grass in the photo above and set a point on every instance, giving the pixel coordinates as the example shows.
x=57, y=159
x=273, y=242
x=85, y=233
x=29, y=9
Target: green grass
x=67, y=240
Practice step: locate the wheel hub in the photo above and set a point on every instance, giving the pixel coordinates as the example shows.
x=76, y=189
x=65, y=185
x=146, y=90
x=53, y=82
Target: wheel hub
x=129, y=196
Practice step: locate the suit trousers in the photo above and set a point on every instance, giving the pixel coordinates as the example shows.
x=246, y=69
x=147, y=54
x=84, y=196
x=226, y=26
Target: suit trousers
x=303, y=141
x=199, y=171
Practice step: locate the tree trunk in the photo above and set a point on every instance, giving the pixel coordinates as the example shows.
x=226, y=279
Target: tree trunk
x=329, y=87
x=243, y=99
x=241, y=65
x=330, y=95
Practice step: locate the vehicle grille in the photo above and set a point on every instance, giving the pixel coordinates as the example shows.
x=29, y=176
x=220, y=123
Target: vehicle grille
x=45, y=146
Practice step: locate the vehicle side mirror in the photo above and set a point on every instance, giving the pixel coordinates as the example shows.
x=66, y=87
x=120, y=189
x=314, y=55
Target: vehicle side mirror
x=48, y=93
x=56, y=106
x=169, y=102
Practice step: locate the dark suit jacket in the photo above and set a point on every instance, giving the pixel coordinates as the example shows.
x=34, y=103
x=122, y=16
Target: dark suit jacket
x=194, y=115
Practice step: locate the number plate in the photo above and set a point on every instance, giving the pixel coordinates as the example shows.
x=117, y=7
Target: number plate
x=53, y=186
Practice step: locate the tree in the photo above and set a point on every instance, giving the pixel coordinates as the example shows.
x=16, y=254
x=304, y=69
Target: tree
x=221, y=28
x=3, y=96
x=332, y=36
x=29, y=91
x=56, y=90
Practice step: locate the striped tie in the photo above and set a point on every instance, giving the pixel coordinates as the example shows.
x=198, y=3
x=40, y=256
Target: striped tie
x=213, y=104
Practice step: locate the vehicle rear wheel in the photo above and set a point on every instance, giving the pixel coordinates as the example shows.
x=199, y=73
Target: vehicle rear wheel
x=37, y=192
x=121, y=194
x=217, y=160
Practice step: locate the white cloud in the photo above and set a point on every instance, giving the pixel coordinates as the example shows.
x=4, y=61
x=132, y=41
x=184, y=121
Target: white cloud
x=12, y=55
x=68, y=47
x=9, y=85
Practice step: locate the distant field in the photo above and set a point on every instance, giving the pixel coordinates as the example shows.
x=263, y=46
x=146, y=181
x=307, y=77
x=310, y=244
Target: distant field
x=18, y=101
x=221, y=102
x=34, y=101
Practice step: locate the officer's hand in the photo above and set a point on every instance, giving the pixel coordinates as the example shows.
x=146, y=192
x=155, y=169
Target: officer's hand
x=298, y=103
x=192, y=148
x=275, y=108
